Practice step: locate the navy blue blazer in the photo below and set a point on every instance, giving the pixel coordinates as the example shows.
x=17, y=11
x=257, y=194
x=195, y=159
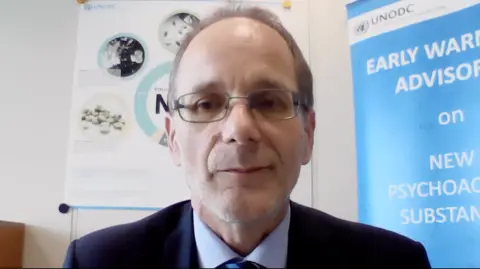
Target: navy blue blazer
x=166, y=240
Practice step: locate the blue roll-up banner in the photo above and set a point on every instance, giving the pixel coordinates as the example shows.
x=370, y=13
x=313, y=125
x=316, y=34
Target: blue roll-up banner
x=416, y=68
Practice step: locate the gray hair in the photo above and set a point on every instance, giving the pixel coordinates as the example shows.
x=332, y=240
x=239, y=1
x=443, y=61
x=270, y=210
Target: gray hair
x=302, y=70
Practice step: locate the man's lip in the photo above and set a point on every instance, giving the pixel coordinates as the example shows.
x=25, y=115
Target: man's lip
x=245, y=170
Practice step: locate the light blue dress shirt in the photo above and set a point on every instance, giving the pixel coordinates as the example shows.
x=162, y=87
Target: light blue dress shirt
x=212, y=251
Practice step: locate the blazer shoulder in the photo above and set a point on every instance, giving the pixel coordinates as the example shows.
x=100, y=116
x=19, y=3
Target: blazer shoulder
x=119, y=244
x=365, y=242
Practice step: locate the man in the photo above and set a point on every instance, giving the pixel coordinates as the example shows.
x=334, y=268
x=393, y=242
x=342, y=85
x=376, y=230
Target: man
x=242, y=124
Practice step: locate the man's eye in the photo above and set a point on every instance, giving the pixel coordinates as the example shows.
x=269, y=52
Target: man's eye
x=270, y=102
x=207, y=105
x=266, y=103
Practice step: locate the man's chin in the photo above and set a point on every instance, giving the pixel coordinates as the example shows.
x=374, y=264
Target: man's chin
x=242, y=218
x=248, y=212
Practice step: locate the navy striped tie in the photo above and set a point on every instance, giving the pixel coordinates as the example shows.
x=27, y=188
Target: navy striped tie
x=241, y=264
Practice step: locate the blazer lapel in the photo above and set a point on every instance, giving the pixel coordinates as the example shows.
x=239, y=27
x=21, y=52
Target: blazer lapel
x=180, y=249
x=307, y=239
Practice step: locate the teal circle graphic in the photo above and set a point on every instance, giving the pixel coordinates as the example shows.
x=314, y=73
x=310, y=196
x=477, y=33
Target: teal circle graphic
x=103, y=48
x=140, y=103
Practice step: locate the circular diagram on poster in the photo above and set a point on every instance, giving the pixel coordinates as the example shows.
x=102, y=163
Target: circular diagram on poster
x=104, y=118
x=122, y=55
x=173, y=30
x=150, y=103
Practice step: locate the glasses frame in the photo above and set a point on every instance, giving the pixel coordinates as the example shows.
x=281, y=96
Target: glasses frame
x=296, y=100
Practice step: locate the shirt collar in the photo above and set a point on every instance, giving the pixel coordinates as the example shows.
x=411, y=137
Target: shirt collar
x=212, y=251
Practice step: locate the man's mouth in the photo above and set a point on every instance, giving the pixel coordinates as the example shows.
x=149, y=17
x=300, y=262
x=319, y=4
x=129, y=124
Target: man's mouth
x=248, y=170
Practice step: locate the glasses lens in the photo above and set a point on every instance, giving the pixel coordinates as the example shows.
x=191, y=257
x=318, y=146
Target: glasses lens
x=203, y=106
x=273, y=104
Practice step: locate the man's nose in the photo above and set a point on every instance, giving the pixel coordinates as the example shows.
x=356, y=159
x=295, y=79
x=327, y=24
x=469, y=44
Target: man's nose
x=240, y=125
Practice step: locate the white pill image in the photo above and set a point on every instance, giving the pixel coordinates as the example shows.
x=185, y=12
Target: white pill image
x=118, y=125
x=105, y=128
x=101, y=119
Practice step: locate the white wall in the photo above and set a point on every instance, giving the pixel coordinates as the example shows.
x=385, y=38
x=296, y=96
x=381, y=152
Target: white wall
x=335, y=166
x=38, y=46
x=37, y=51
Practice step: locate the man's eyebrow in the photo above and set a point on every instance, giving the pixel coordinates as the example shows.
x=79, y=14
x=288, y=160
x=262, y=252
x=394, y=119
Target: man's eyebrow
x=259, y=82
x=207, y=86
x=270, y=82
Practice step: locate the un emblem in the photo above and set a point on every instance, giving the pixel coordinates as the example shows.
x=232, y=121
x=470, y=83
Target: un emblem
x=362, y=27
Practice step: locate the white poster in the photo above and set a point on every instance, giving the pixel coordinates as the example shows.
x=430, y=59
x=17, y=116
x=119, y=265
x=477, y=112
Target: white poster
x=117, y=149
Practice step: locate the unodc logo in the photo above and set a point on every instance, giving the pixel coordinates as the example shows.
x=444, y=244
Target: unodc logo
x=362, y=28
x=90, y=7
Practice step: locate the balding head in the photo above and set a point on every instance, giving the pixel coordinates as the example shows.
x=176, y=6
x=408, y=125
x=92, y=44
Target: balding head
x=236, y=55
x=253, y=16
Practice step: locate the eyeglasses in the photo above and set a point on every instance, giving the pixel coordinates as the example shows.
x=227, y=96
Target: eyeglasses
x=204, y=107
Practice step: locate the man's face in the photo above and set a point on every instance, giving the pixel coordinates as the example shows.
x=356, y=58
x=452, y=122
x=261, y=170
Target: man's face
x=243, y=167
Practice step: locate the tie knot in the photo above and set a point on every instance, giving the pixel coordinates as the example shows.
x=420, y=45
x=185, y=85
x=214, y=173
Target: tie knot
x=241, y=264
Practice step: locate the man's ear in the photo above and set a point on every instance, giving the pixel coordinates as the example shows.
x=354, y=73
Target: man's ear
x=310, y=124
x=172, y=139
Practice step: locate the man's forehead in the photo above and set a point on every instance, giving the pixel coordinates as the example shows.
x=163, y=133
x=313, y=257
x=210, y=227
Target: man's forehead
x=235, y=30
x=236, y=48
